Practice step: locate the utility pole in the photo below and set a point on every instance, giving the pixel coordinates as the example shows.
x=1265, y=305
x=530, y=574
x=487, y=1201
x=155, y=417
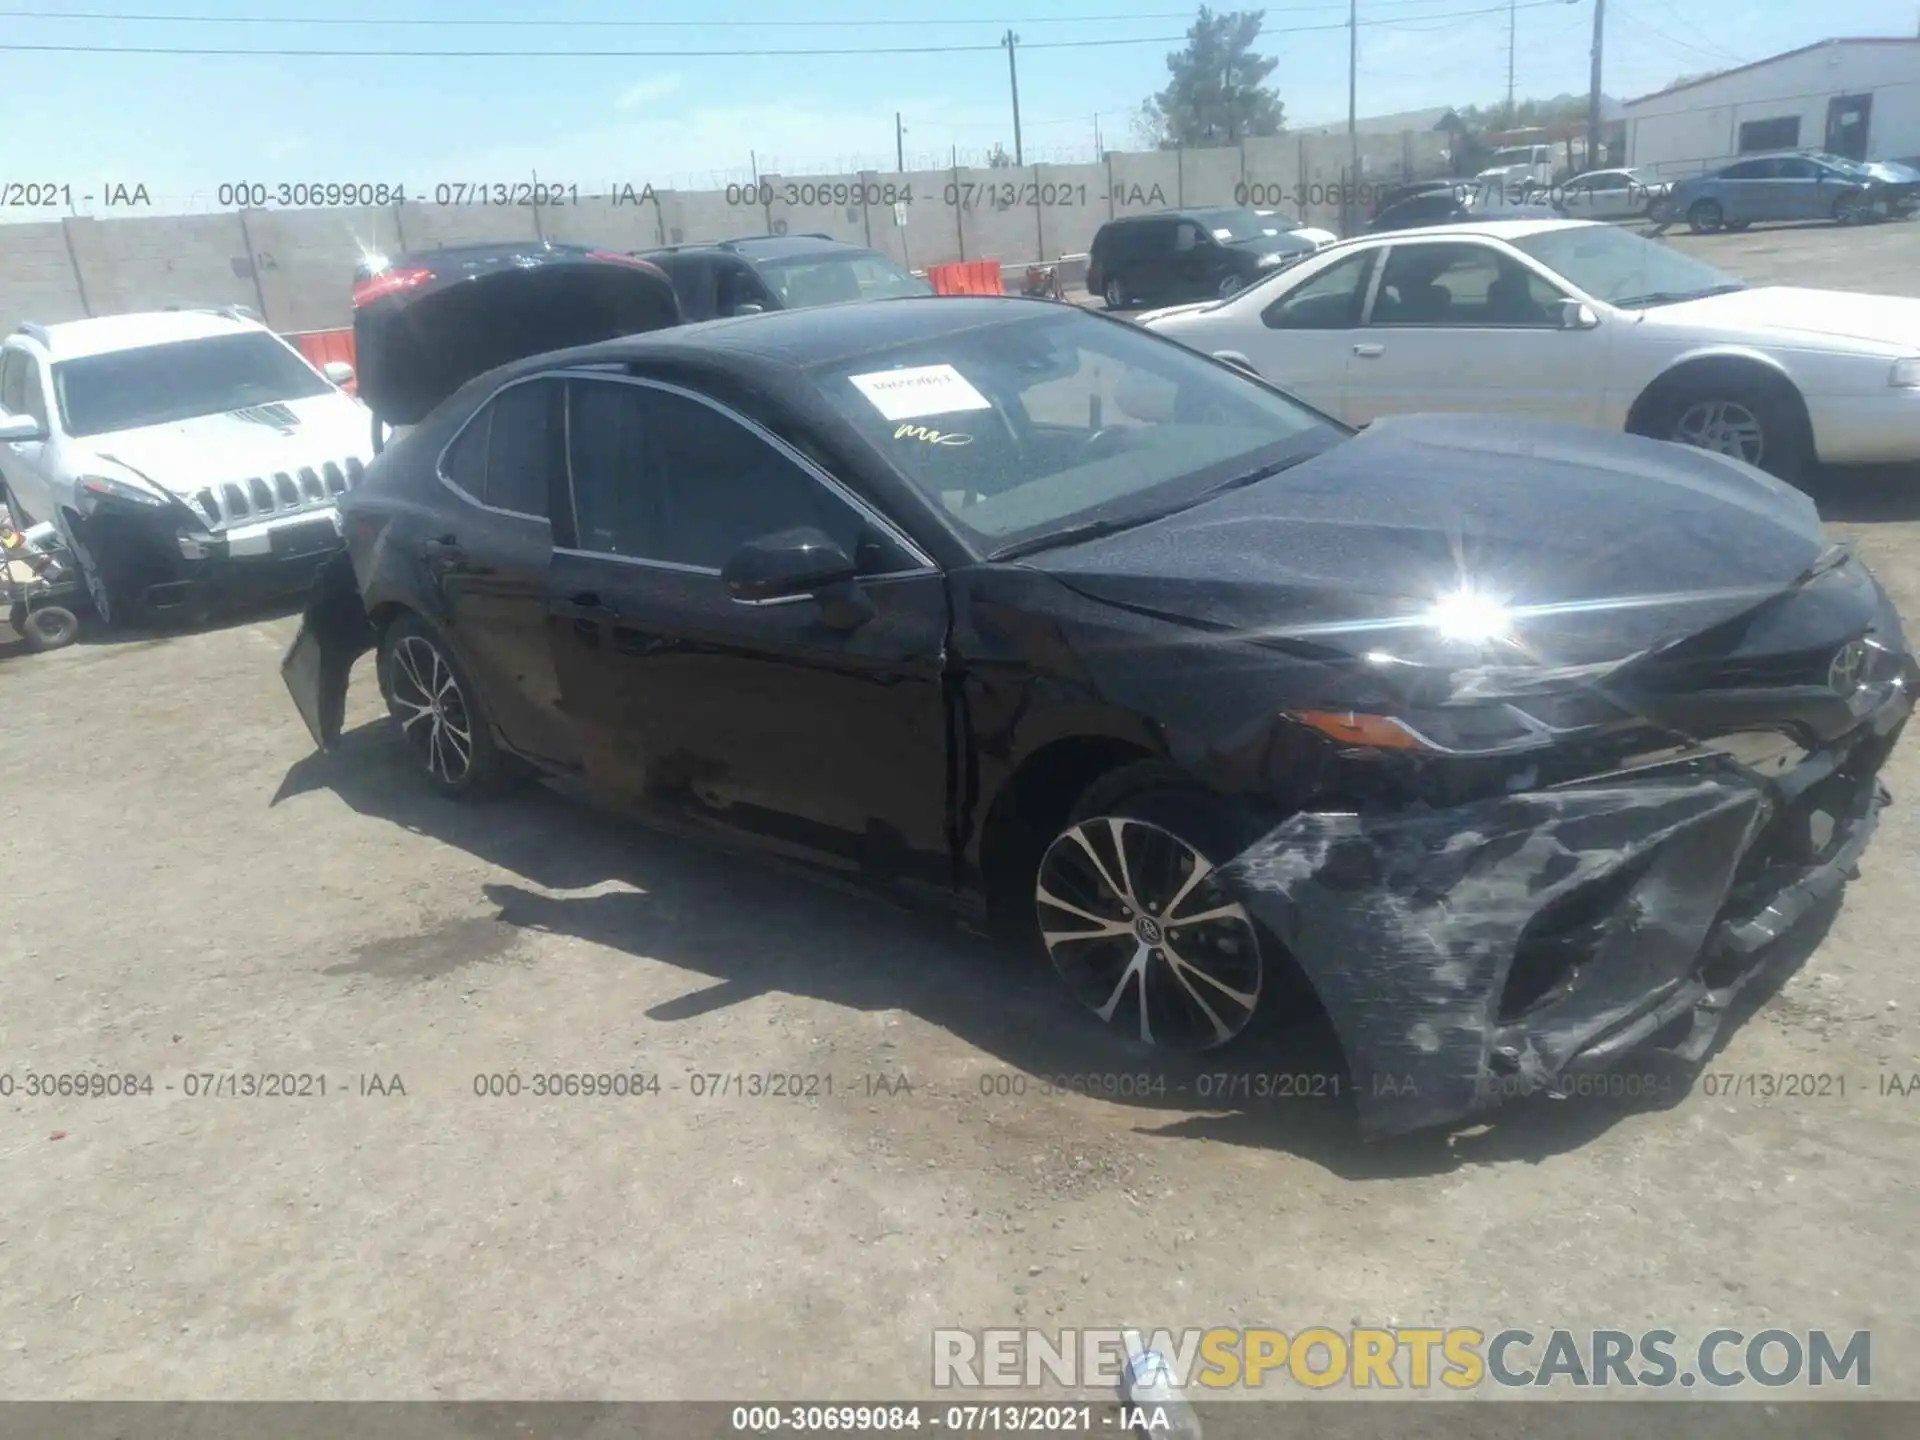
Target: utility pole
x=1512, y=34
x=899, y=144
x=1593, y=87
x=1013, y=76
x=1353, y=97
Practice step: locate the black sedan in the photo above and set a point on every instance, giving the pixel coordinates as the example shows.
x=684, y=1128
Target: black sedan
x=1508, y=743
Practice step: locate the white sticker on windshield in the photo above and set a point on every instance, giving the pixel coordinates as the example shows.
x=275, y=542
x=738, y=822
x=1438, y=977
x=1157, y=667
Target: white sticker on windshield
x=1223, y=235
x=920, y=390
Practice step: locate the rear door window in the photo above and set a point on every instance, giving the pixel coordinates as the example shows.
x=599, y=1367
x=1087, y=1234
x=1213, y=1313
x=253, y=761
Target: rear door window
x=520, y=448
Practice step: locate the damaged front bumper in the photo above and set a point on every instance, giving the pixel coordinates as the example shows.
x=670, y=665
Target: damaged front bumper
x=1473, y=953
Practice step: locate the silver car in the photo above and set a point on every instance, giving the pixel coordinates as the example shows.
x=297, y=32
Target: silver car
x=1611, y=195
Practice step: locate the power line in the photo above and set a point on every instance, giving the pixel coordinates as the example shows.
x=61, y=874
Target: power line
x=364, y=54
x=601, y=22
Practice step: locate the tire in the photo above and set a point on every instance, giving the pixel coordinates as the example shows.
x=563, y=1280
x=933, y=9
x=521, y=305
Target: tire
x=1851, y=209
x=1102, y=918
x=1739, y=417
x=1115, y=293
x=451, y=738
x=109, y=589
x=1705, y=216
x=50, y=628
x=21, y=519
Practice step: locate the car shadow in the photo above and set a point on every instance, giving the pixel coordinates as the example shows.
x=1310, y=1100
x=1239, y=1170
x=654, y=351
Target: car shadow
x=1865, y=494
x=227, y=616
x=758, y=927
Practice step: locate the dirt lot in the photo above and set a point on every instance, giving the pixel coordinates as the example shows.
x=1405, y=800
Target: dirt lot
x=193, y=891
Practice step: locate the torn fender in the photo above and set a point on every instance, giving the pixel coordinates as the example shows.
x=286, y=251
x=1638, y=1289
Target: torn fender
x=334, y=632
x=1409, y=926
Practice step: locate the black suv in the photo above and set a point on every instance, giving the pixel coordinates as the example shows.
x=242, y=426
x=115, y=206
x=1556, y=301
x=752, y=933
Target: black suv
x=778, y=272
x=1187, y=254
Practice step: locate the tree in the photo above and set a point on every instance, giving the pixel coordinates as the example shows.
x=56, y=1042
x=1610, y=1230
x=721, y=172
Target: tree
x=1216, y=94
x=998, y=158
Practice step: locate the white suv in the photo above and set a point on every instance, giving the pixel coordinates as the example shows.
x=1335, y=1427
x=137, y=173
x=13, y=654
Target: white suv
x=180, y=453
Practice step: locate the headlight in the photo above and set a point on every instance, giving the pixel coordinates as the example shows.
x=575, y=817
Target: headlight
x=1497, y=729
x=94, y=489
x=1905, y=374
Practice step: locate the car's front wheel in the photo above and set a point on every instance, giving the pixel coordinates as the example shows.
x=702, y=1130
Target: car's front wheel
x=439, y=711
x=1229, y=285
x=1134, y=918
x=112, y=588
x=1851, y=208
x=1705, y=216
x=1749, y=420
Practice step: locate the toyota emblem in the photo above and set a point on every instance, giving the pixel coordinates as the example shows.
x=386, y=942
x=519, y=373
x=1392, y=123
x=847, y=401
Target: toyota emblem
x=1849, y=664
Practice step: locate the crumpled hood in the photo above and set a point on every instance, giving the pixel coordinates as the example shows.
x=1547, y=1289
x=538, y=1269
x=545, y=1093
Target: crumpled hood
x=185, y=455
x=1885, y=319
x=1601, y=545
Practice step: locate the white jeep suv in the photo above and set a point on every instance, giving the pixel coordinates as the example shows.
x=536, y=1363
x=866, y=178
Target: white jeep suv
x=181, y=454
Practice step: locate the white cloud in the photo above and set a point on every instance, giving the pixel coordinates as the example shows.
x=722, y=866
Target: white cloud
x=646, y=91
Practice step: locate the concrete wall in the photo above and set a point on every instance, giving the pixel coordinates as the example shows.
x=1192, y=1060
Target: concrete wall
x=295, y=266
x=1698, y=127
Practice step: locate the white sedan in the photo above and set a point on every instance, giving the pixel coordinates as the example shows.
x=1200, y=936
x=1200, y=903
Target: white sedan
x=1577, y=321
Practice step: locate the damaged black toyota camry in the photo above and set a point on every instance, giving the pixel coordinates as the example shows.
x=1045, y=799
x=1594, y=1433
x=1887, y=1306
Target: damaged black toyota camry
x=1508, y=744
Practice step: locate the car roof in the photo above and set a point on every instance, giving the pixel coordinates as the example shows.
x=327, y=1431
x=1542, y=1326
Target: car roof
x=72, y=339
x=792, y=340
x=1490, y=229
x=760, y=247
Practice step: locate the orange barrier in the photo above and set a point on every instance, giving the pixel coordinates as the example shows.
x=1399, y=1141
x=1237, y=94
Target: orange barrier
x=322, y=347
x=967, y=277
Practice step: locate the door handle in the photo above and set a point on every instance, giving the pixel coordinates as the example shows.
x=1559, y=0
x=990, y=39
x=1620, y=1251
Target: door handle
x=1370, y=352
x=587, y=605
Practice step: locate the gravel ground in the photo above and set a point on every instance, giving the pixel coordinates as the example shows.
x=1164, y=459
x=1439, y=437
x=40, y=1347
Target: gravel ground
x=193, y=891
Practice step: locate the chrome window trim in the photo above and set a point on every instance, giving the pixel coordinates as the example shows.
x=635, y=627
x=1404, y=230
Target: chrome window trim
x=440, y=461
x=759, y=432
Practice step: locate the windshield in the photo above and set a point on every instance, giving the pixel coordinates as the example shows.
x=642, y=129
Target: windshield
x=155, y=384
x=837, y=277
x=1022, y=430
x=1622, y=268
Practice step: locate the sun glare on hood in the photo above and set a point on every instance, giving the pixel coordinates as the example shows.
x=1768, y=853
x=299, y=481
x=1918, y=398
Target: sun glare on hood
x=1467, y=617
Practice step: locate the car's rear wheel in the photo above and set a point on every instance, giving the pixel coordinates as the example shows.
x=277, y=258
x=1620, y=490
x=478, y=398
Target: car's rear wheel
x=1705, y=216
x=439, y=711
x=1115, y=293
x=1135, y=921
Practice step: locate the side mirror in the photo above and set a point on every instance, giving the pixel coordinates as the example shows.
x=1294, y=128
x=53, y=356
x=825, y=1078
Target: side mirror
x=1576, y=315
x=802, y=561
x=338, y=371
x=14, y=428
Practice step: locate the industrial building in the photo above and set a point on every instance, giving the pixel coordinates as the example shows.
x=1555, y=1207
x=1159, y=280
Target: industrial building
x=1853, y=97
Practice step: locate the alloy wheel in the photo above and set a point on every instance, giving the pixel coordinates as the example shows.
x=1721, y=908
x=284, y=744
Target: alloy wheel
x=1137, y=925
x=1724, y=426
x=1850, y=209
x=433, y=714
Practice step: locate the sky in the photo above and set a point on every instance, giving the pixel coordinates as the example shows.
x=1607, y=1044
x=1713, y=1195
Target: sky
x=182, y=125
